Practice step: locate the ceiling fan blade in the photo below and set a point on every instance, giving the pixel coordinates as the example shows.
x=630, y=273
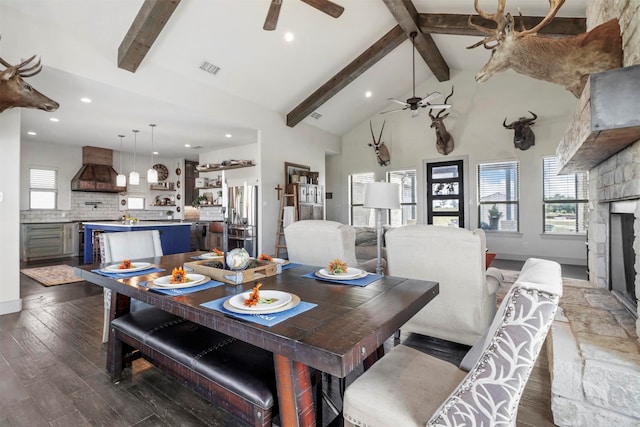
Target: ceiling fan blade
x=326, y=6
x=271, y=21
x=437, y=106
x=393, y=111
x=397, y=100
x=429, y=97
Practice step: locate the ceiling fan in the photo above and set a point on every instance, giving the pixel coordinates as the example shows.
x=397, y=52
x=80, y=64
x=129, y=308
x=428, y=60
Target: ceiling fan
x=414, y=103
x=326, y=6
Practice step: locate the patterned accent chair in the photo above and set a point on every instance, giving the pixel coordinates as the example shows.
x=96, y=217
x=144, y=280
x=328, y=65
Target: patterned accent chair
x=318, y=242
x=132, y=245
x=410, y=388
x=456, y=259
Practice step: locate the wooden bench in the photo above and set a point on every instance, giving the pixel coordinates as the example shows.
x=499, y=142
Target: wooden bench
x=234, y=375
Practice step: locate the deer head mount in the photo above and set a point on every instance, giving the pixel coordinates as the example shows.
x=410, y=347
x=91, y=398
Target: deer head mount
x=566, y=61
x=444, y=140
x=382, y=153
x=15, y=92
x=523, y=137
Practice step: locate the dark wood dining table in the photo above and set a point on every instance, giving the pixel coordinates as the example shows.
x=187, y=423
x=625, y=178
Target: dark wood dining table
x=345, y=330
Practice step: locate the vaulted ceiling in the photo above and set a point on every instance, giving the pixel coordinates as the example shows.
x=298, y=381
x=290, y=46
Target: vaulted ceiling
x=325, y=70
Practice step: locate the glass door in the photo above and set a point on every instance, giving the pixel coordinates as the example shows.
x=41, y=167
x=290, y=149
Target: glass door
x=445, y=193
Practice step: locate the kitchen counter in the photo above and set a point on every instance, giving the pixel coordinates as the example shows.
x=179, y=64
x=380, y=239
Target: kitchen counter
x=175, y=237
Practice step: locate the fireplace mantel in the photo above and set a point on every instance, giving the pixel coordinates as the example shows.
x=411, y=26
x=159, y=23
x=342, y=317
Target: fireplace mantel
x=607, y=119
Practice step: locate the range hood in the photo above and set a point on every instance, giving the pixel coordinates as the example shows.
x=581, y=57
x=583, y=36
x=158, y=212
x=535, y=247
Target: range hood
x=607, y=120
x=97, y=173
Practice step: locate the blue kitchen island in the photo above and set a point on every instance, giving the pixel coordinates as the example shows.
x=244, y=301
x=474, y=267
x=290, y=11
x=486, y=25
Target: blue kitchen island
x=175, y=237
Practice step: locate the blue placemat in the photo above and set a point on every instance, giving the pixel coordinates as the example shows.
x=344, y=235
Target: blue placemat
x=129, y=274
x=261, y=319
x=290, y=265
x=182, y=291
x=363, y=281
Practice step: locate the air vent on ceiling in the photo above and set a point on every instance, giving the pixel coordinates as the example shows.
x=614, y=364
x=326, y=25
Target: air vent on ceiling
x=209, y=68
x=316, y=115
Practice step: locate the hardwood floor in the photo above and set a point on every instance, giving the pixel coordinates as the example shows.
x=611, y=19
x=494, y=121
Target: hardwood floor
x=52, y=371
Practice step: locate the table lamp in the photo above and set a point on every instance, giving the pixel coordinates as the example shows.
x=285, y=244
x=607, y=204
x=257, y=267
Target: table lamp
x=379, y=196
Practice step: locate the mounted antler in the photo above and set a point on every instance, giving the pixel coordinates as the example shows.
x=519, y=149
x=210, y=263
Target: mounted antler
x=444, y=140
x=15, y=92
x=523, y=137
x=382, y=153
x=566, y=61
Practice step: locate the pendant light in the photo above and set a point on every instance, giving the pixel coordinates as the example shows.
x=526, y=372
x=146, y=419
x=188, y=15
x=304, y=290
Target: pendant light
x=121, y=179
x=152, y=174
x=134, y=177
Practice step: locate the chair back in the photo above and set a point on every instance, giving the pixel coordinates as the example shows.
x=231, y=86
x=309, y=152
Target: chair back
x=318, y=242
x=115, y=247
x=455, y=258
x=491, y=391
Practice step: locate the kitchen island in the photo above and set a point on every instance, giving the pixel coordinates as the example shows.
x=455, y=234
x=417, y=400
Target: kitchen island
x=175, y=237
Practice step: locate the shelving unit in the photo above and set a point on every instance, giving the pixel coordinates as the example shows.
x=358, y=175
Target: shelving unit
x=309, y=201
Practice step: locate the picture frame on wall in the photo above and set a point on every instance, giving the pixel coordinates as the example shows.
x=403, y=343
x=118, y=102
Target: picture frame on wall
x=293, y=173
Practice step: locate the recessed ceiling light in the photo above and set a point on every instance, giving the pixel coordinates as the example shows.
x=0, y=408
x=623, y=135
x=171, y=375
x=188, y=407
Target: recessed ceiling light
x=155, y=153
x=32, y=133
x=227, y=135
x=86, y=100
x=54, y=119
x=187, y=145
x=368, y=94
x=288, y=36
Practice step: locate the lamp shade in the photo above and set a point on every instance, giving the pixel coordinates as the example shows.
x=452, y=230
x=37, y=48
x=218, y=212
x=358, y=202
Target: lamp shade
x=382, y=195
x=152, y=176
x=121, y=180
x=134, y=178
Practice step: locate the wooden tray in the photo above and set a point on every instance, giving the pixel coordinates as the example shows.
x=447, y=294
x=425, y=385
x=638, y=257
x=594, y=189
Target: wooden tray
x=264, y=269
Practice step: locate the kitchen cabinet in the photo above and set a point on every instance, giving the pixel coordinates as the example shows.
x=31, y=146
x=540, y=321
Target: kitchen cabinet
x=310, y=200
x=48, y=240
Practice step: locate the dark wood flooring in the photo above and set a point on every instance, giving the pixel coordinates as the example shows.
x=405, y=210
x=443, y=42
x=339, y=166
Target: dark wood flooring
x=52, y=371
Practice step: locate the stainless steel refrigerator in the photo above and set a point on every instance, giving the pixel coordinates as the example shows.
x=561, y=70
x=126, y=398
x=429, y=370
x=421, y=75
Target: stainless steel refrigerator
x=242, y=217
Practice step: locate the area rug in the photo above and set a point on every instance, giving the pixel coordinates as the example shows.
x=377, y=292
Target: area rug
x=52, y=275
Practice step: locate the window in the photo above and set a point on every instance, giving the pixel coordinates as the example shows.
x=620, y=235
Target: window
x=498, y=196
x=134, y=202
x=43, y=188
x=359, y=216
x=408, y=197
x=565, y=199
x=445, y=193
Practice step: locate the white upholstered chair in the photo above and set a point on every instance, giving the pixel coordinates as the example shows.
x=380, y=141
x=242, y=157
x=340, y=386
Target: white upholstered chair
x=318, y=242
x=132, y=245
x=409, y=388
x=454, y=257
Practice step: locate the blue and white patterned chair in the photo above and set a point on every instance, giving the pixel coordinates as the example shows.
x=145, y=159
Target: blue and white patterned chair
x=409, y=388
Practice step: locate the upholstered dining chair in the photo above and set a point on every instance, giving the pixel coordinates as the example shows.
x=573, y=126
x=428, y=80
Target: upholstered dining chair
x=318, y=242
x=409, y=388
x=132, y=245
x=456, y=259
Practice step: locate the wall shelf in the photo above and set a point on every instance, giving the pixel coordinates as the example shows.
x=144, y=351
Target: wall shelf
x=223, y=168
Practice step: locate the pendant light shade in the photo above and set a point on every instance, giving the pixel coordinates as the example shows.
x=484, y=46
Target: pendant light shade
x=121, y=179
x=152, y=174
x=134, y=177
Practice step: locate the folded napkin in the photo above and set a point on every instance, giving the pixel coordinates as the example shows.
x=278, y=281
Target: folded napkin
x=290, y=265
x=182, y=291
x=363, y=281
x=261, y=319
x=128, y=274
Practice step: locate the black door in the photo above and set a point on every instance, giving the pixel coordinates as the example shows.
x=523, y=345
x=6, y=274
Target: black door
x=445, y=193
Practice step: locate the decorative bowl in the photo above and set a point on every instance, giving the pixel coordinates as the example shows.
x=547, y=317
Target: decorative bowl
x=238, y=259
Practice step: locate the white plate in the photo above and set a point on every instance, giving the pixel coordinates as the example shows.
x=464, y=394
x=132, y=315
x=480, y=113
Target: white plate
x=282, y=298
x=135, y=266
x=295, y=300
x=194, y=279
x=210, y=255
x=336, y=278
x=351, y=273
x=279, y=260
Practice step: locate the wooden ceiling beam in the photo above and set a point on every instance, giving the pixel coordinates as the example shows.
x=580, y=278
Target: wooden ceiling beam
x=444, y=23
x=149, y=22
x=407, y=16
x=335, y=84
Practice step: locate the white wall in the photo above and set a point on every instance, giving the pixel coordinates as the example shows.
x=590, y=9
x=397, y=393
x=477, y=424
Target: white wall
x=475, y=121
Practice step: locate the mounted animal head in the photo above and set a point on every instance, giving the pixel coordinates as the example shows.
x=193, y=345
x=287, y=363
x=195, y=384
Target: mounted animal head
x=382, y=153
x=524, y=137
x=566, y=61
x=444, y=140
x=15, y=92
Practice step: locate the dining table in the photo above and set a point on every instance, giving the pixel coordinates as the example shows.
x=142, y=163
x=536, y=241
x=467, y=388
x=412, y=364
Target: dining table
x=344, y=329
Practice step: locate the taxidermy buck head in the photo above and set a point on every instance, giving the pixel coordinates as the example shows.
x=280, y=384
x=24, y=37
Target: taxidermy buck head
x=566, y=61
x=15, y=92
x=382, y=153
x=524, y=137
x=444, y=140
